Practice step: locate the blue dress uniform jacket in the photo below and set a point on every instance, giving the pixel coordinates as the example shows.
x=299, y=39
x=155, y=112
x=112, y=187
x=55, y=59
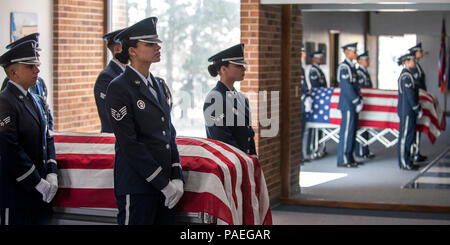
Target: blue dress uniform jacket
x=39, y=89
x=27, y=151
x=111, y=71
x=146, y=150
x=419, y=77
x=350, y=95
x=349, y=98
x=408, y=108
x=317, y=77
x=364, y=79
x=237, y=130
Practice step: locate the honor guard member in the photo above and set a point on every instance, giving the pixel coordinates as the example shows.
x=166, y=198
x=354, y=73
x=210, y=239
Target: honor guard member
x=350, y=104
x=316, y=75
x=39, y=88
x=148, y=180
x=418, y=73
x=364, y=81
x=306, y=107
x=227, y=111
x=111, y=71
x=28, y=172
x=419, y=76
x=409, y=110
x=316, y=79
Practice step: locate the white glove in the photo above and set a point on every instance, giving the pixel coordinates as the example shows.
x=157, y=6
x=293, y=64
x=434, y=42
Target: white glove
x=53, y=180
x=180, y=191
x=44, y=188
x=179, y=184
x=420, y=114
x=359, y=107
x=172, y=195
x=308, y=104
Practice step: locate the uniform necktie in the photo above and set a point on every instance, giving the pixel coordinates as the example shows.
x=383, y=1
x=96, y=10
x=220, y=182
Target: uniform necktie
x=154, y=90
x=31, y=102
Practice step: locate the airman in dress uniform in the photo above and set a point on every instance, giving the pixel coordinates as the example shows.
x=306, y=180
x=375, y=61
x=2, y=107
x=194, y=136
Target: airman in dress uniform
x=317, y=79
x=111, y=71
x=419, y=76
x=316, y=76
x=28, y=171
x=418, y=72
x=364, y=81
x=148, y=179
x=306, y=107
x=350, y=104
x=408, y=110
x=226, y=110
x=39, y=88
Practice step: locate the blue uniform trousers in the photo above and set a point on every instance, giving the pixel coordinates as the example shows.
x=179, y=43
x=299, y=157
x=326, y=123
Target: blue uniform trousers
x=26, y=216
x=347, y=134
x=406, y=137
x=144, y=209
x=361, y=150
x=303, y=129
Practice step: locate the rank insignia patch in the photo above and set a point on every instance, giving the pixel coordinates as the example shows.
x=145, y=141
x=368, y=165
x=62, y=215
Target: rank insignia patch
x=5, y=121
x=118, y=115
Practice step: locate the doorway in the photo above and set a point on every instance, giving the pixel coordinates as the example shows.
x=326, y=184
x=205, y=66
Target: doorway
x=334, y=56
x=390, y=48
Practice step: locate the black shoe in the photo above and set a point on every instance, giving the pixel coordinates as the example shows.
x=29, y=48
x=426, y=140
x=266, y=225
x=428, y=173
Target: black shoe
x=359, y=163
x=410, y=167
x=348, y=165
x=419, y=158
x=369, y=156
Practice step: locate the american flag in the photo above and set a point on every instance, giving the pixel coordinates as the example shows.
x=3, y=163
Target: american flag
x=219, y=179
x=379, y=110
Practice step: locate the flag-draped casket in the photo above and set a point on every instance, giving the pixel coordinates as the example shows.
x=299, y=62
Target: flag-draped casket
x=379, y=110
x=220, y=180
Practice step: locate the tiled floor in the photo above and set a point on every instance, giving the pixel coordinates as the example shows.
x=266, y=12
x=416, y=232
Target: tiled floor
x=437, y=176
x=303, y=215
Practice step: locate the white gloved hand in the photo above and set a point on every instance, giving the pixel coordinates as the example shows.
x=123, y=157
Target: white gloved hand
x=44, y=188
x=180, y=191
x=420, y=114
x=53, y=180
x=170, y=192
x=308, y=104
x=359, y=107
x=179, y=184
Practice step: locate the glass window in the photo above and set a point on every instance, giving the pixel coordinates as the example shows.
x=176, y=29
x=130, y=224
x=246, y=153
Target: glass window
x=191, y=31
x=390, y=49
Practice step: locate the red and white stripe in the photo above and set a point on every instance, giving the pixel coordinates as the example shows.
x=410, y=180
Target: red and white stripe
x=380, y=111
x=219, y=179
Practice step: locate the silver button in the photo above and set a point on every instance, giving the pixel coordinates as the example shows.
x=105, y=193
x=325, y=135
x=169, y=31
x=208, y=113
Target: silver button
x=167, y=146
x=249, y=139
x=164, y=132
x=162, y=119
x=248, y=151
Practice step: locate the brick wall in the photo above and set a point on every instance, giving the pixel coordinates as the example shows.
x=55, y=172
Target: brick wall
x=261, y=31
x=78, y=56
